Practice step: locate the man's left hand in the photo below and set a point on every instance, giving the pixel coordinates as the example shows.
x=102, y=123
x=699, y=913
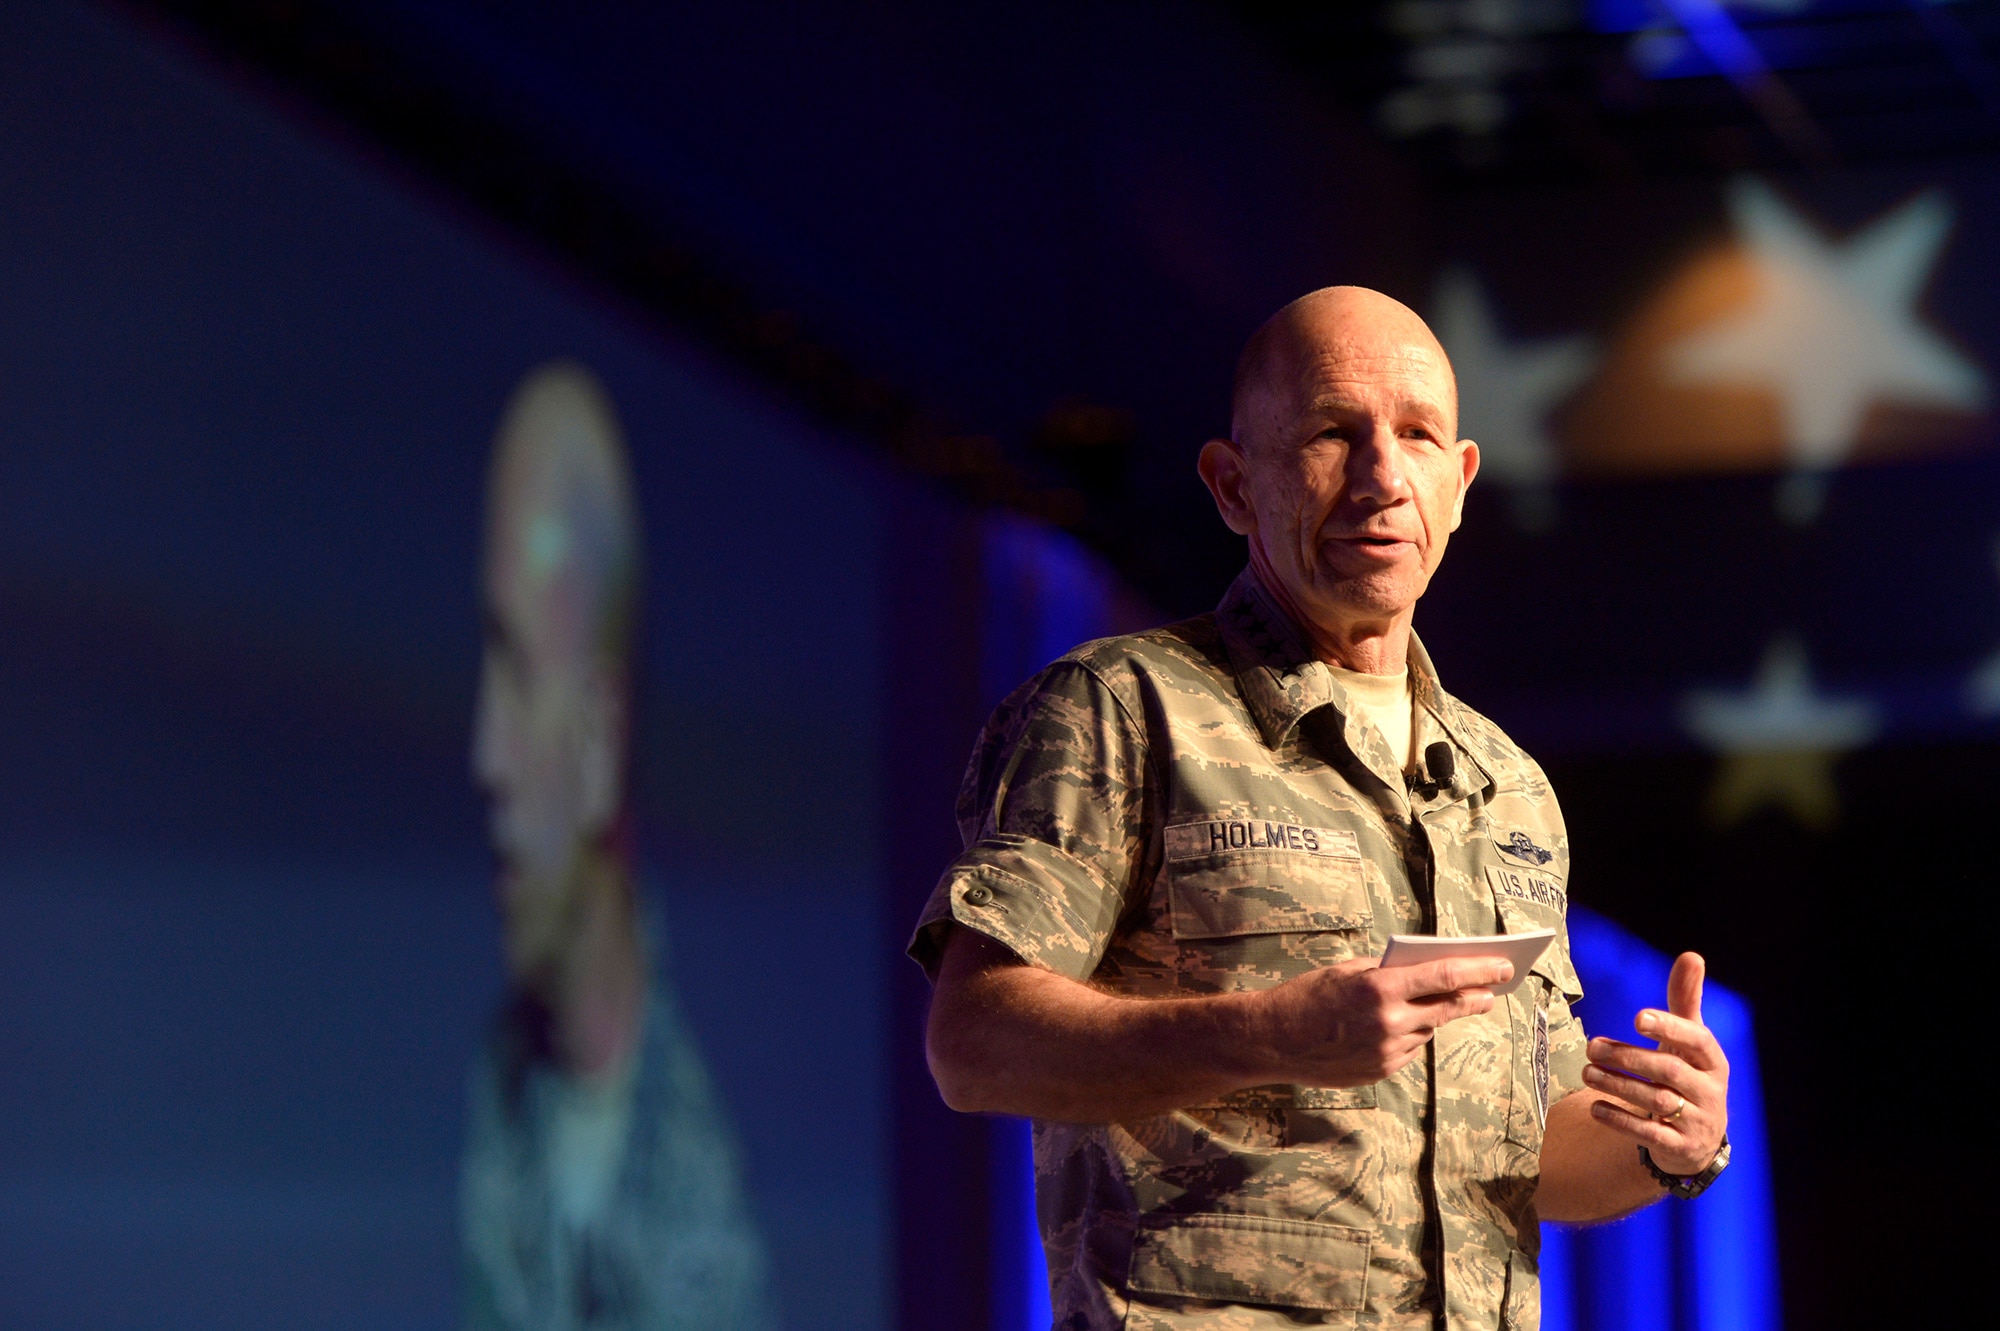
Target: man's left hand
x=1673, y=1100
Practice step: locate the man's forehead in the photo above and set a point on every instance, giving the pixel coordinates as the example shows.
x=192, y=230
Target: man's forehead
x=1340, y=373
x=527, y=548
x=1333, y=402
x=1358, y=359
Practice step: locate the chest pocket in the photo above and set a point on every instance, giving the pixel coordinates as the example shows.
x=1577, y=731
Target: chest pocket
x=1230, y=878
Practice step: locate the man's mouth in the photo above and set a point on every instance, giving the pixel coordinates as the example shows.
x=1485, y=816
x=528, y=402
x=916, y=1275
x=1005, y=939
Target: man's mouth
x=1373, y=541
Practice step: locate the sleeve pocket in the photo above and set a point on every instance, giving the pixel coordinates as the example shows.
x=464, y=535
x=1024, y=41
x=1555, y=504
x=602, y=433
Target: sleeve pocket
x=1252, y=1259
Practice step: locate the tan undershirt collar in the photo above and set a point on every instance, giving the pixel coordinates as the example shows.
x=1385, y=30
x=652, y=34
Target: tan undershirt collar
x=1385, y=702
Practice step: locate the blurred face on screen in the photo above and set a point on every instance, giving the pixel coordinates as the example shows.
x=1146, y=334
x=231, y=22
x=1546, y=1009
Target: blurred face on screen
x=1344, y=468
x=550, y=734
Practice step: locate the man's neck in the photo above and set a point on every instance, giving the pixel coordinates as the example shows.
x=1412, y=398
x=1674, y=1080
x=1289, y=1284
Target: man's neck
x=1372, y=645
x=1371, y=649
x=596, y=997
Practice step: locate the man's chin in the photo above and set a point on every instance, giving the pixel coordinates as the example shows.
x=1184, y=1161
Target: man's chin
x=1351, y=588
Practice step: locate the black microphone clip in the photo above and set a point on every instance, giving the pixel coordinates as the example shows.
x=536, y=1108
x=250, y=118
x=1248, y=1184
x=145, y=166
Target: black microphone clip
x=1440, y=764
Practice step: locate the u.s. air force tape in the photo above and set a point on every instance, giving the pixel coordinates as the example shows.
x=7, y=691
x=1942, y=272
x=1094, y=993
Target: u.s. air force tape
x=1186, y=841
x=1526, y=885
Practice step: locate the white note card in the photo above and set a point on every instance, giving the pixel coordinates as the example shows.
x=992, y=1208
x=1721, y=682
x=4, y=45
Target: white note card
x=1521, y=949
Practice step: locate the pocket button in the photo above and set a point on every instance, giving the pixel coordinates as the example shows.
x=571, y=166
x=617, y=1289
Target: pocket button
x=978, y=895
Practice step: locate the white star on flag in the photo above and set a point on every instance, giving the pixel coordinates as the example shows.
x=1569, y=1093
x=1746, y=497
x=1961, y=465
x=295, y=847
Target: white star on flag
x=1505, y=392
x=1832, y=330
x=1778, y=739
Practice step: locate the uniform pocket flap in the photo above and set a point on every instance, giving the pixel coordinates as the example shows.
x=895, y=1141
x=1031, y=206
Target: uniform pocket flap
x=1531, y=899
x=1240, y=895
x=1554, y=964
x=1252, y=1259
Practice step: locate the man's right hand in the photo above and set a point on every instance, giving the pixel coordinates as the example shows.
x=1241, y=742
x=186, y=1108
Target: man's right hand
x=1353, y=1023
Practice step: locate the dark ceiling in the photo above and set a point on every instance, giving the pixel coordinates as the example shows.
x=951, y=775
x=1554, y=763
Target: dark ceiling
x=1016, y=246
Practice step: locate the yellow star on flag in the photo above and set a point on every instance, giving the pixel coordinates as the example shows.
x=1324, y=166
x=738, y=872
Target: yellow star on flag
x=1779, y=740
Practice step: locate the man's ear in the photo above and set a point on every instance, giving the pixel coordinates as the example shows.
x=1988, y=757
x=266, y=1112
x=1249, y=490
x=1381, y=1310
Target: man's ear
x=1226, y=472
x=1468, y=462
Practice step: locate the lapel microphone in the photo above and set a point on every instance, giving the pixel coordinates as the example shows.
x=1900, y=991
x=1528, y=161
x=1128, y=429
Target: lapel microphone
x=1439, y=764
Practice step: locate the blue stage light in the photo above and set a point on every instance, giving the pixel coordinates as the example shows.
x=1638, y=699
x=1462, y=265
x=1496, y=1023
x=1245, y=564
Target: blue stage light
x=1019, y=1272
x=1706, y=1265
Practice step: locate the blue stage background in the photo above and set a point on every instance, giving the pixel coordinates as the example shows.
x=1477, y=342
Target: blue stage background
x=250, y=374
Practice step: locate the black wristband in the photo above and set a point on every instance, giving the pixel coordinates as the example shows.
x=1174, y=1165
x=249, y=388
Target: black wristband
x=1688, y=1186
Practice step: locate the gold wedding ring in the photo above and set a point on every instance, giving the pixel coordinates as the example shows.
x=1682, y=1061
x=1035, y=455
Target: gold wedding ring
x=1668, y=1118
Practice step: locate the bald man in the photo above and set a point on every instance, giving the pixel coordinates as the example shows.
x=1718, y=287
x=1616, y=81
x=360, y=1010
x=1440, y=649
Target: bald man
x=600, y=1183
x=1186, y=851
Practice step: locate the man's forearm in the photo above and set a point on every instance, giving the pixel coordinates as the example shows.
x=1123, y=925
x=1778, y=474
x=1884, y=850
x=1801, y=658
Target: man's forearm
x=1014, y=1039
x=1589, y=1172
x=1011, y=1038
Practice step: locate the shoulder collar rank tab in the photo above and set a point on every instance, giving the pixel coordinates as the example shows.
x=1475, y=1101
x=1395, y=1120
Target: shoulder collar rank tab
x=1280, y=679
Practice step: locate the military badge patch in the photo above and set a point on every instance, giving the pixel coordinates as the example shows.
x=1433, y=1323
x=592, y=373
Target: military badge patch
x=1541, y=1067
x=1518, y=846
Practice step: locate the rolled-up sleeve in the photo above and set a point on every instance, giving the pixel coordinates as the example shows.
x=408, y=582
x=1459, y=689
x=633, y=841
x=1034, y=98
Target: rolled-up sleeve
x=1054, y=813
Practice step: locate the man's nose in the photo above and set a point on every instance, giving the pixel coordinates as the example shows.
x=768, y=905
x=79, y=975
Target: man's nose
x=1375, y=468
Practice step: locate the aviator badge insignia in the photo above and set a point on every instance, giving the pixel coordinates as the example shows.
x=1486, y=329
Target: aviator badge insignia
x=1518, y=845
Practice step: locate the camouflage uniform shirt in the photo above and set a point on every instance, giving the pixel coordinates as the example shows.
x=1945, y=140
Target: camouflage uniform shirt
x=1197, y=810
x=670, y=1246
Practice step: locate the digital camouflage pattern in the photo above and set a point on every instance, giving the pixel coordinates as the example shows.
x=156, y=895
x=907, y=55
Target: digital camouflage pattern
x=672, y=1247
x=1196, y=810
